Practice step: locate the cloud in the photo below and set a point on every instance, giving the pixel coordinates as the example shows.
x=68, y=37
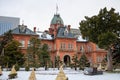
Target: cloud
x=40, y=12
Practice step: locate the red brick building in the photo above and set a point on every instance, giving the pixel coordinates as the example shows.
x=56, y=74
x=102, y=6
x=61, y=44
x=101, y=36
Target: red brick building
x=23, y=35
x=63, y=41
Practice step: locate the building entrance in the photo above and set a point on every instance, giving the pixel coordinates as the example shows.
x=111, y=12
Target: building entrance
x=67, y=60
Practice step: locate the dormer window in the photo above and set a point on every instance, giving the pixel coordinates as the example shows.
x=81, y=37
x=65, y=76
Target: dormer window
x=22, y=28
x=44, y=35
x=66, y=32
x=58, y=22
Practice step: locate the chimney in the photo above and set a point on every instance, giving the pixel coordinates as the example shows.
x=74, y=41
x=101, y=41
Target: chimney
x=69, y=27
x=46, y=31
x=50, y=31
x=34, y=29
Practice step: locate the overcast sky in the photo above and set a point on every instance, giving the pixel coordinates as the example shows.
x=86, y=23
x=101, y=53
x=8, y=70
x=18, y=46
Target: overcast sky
x=38, y=13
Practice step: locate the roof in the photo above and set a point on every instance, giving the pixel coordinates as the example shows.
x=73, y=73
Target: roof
x=77, y=35
x=23, y=30
x=80, y=39
x=75, y=31
x=57, y=20
x=64, y=33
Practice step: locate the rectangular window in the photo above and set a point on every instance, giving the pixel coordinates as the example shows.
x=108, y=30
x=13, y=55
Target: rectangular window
x=82, y=50
x=62, y=46
x=28, y=43
x=22, y=43
x=89, y=48
x=99, y=59
x=49, y=47
x=70, y=46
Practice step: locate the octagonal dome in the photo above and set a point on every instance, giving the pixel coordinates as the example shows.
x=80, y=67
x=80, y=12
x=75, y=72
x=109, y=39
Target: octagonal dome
x=57, y=20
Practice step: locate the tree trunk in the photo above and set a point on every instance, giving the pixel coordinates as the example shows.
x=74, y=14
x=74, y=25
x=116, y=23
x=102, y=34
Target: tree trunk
x=109, y=60
x=75, y=67
x=46, y=67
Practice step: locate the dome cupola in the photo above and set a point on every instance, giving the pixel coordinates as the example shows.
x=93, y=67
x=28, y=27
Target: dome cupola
x=57, y=20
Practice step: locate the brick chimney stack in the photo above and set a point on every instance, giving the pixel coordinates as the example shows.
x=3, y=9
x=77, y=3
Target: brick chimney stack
x=69, y=27
x=50, y=31
x=55, y=30
x=34, y=29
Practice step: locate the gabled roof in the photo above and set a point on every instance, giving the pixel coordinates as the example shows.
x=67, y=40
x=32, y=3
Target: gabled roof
x=24, y=31
x=63, y=33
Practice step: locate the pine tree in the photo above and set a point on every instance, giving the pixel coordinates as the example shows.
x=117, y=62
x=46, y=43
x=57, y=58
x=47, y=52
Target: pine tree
x=75, y=61
x=6, y=38
x=83, y=62
x=106, y=29
x=33, y=52
x=57, y=61
x=13, y=55
x=45, y=56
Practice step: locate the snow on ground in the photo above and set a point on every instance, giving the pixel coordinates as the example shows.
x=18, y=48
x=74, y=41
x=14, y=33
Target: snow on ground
x=51, y=74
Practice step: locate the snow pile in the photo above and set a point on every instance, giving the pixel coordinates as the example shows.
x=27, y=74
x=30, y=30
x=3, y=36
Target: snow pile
x=51, y=74
x=44, y=35
x=81, y=39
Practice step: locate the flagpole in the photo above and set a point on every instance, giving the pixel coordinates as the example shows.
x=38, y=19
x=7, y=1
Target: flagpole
x=56, y=9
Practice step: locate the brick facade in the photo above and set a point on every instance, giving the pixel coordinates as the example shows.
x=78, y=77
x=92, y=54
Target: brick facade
x=65, y=42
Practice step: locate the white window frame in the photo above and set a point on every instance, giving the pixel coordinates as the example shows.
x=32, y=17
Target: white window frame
x=22, y=43
x=62, y=46
x=70, y=46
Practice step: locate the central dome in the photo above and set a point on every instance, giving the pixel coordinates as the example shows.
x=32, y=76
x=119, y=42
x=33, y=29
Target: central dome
x=57, y=20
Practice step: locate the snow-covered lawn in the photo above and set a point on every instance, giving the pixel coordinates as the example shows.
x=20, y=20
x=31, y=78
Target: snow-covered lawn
x=51, y=74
